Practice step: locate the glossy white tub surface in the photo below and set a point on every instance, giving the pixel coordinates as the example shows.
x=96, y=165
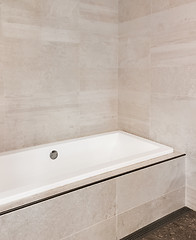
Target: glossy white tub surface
x=31, y=172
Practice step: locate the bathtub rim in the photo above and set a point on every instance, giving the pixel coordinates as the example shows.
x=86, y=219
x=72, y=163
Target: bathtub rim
x=76, y=139
x=75, y=186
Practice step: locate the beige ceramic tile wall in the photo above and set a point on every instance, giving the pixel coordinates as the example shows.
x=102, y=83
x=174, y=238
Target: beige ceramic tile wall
x=134, y=66
x=58, y=66
x=157, y=75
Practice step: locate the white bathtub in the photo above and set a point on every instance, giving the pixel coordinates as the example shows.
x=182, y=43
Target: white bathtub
x=31, y=172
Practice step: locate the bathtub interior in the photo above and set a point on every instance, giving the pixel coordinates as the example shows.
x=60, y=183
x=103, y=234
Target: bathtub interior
x=32, y=171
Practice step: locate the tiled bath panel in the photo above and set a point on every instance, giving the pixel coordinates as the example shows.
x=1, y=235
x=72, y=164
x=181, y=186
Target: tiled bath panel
x=149, y=194
x=106, y=211
x=91, y=209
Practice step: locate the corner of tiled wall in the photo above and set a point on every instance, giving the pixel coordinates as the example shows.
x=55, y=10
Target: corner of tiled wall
x=157, y=71
x=134, y=66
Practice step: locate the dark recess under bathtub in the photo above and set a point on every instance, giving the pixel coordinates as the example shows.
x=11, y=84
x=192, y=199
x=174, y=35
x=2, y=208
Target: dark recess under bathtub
x=179, y=225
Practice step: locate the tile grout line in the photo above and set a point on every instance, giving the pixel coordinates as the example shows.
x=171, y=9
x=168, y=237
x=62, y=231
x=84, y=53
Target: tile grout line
x=86, y=228
x=182, y=187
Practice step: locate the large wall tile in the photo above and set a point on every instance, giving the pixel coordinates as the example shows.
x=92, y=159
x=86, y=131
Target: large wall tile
x=129, y=10
x=134, y=104
x=103, y=102
x=160, y=5
x=21, y=12
x=34, y=121
x=174, y=81
x=169, y=120
x=97, y=124
x=60, y=35
x=134, y=100
x=38, y=128
x=98, y=110
x=169, y=108
x=168, y=133
x=135, y=79
x=172, y=121
x=173, y=39
x=98, y=51
x=164, y=22
x=134, y=52
x=60, y=217
x=94, y=79
x=40, y=69
x=139, y=27
x=24, y=19
x=99, y=17
x=59, y=14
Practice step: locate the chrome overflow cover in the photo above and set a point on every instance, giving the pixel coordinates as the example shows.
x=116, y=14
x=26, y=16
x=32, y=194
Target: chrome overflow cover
x=54, y=155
